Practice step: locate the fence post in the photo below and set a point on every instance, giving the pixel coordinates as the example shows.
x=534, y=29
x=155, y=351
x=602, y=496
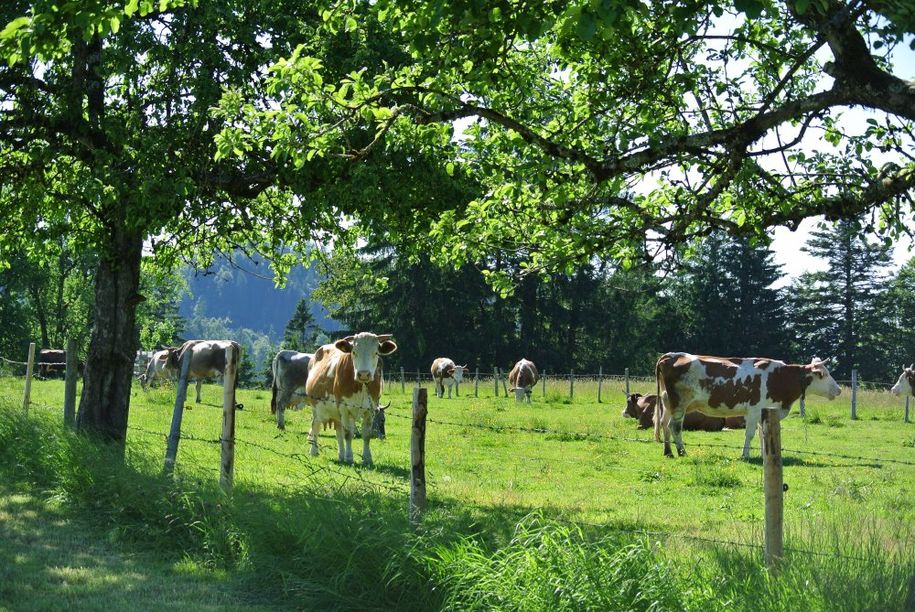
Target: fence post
x=495, y=380
x=403, y=388
x=543, y=384
x=803, y=410
x=906, y=417
x=174, y=435
x=600, y=381
x=571, y=383
x=227, y=455
x=27, y=393
x=418, y=456
x=504, y=381
x=773, y=483
x=627, y=382
x=70, y=386
x=476, y=382
x=854, y=394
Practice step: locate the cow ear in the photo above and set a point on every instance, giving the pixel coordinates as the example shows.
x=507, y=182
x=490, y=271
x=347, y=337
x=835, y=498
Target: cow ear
x=387, y=347
x=345, y=344
x=318, y=354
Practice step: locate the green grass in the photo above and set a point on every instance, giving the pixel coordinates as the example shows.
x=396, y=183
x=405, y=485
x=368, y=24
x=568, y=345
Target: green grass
x=516, y=520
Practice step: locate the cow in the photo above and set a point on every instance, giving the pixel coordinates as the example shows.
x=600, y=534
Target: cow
x=344, y=385
x=208, y=358
x=444, y=372
x=522, y=378
x=290, y=374
x=51, y=361
x=731, y=386
x=906, y=383
x=157, y=368
x=642, y=407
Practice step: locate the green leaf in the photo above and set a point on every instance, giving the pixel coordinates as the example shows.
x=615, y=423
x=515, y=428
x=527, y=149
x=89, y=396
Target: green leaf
x=586, y=27
x=752, y=8
x=801, y=6
x=13, y=27
x=449, y=168
x=131, y=7
x=115, y=24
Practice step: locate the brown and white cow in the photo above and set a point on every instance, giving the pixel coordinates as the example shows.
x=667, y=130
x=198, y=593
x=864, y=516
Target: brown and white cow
x=642, y=407
x=732, y=386
x=51, y=361
x=906, y=383
x=208, y=359
x=290, y=374
x=157, y=368
x=344, y=385
x=522, y=378
x=445, y=372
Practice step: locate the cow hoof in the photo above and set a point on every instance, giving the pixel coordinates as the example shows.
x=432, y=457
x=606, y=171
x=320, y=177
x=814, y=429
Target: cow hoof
x=681, y=452
x=667, y=453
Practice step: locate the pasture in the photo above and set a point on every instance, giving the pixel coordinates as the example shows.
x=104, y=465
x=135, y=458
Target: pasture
x=529, y=506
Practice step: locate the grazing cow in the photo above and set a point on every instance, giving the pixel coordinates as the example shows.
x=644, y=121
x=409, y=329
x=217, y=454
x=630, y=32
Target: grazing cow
x=522, y=379
x=906, y=383
x=157, y=368
x=290, y=374
x=52, y=361
x=208, y=358
x=344, y=385
x=642, y=407
x=732, y=386
x=444, y=372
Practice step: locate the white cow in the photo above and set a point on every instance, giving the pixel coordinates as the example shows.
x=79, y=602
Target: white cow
x=906, y=383
x=157, y=368
x=444, y=372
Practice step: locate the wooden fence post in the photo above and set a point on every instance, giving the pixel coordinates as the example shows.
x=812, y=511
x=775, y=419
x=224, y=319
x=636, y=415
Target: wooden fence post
x=600, y=381
x=476, y=382
x=27, y=393
x=543, y=384
x=418, y=383
x=627, y=382
x=571, y=383
x=227, y=454
x=418, y=456
x=403, y=388
x=773, y=483
x=174, y=434
x=905, y=419
x=70, y=385
x=854, y=394
x=504, y=381
x=495, y=380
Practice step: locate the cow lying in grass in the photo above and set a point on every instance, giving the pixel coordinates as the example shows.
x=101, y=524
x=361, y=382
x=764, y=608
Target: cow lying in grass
x=642, y=408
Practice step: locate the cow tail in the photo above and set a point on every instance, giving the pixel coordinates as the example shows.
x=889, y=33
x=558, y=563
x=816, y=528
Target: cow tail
x=659, y=404
x=273, y=388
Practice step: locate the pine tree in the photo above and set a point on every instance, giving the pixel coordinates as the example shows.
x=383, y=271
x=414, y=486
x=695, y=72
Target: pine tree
x=840, y=309
x=301, y=329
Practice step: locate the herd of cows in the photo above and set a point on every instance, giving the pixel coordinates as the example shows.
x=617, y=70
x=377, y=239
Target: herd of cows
x=343, y=381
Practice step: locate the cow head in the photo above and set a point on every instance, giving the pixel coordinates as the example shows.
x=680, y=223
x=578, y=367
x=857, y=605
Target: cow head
x=458, y=373
x=632, y=406
x=906, y=383
x=822, y=382
x=365, y=349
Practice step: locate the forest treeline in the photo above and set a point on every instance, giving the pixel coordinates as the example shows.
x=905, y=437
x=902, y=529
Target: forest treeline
x=726, y=297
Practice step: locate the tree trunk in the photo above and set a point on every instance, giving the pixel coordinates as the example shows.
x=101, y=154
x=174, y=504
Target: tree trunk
x=105, y=400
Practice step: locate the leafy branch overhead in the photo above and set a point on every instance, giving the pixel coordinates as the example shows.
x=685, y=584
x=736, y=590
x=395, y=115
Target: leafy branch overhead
x=615, y=128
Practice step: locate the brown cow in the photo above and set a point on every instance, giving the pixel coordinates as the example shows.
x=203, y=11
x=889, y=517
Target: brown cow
x=732, y=386
x=642, y=407
x=51, y=361
x=344, y=385
x=445, y=372
x=522, y=378
x=208, y=358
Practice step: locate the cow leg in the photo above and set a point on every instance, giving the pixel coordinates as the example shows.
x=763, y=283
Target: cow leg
x=676, y=424
x=313, y=435
x=528, y=393
x=752, y=423
x=366, y=436
x=199, y=384
x=349, y=429
x=450, y=384
x=665, y=422
x=282, y=400
x=340, y=430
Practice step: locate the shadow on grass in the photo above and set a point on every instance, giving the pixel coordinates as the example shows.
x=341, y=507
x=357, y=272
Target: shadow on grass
x=793, y=461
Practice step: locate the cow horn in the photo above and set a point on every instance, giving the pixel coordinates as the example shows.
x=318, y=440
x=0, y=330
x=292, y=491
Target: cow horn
x=384, y=337
x=912, y=367
x=385, y=407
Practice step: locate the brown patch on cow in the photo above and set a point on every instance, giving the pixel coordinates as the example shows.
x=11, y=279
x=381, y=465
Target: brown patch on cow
x=737, y=422
x=732, y=391
x=910, y=376
x=697, y=421
x=671, y=367
x=343, y=384
x=787, y=383
x=719, y=368
x=762, y=364
x=526, y=376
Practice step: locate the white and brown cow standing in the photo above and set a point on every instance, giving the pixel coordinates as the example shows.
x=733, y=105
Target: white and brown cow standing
x=732, y=386
x=906, y=383
x=157, y=368
x=522, y=378
x=344, y=386
x=444, y=372
x=290, y=374
x=208, y=359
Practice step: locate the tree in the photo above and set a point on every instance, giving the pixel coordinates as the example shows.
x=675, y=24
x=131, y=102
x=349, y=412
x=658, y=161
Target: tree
x=846, y=298
x=301, y=330
x=572, y=104
x=899, y=318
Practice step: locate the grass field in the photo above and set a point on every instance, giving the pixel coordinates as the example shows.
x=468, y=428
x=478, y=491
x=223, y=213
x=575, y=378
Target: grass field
x=508, y=508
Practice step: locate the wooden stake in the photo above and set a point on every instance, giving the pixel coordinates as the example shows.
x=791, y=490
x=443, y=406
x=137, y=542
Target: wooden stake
x=600, y=381
x=27, y=393
x=571, y=383
x=504, y=383
x=854, y=394
x=403, y=388
x=905, y=419
x=70, y=385
x=174, y=435
x=418, y=456
x=495, y=380
x=227, y=455
x=770, y=431
x=476, y=382
x=627, y=382
x=543, y=384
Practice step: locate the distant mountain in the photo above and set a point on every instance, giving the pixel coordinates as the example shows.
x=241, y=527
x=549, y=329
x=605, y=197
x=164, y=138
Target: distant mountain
x=245, y=293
